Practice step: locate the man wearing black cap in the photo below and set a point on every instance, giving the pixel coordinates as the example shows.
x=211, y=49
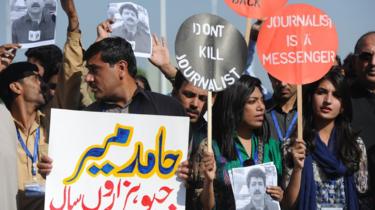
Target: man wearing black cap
x=132, y=30
x=21, y=91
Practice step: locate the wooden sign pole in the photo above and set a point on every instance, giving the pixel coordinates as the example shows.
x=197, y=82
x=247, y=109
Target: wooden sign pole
x=299, y=110
x=209, y=121
x=248, y=29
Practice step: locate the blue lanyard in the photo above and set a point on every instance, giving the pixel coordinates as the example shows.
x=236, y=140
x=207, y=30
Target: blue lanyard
x=27, y=151
x=288, y=130
x=240, y=157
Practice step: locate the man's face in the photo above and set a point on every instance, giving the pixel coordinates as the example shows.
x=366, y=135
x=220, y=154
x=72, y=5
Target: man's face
x=32, y=90
x=365, y=60
x=282, y=90
x=256, y=188
x=102, y=78
x=193, y=99
x=34, y=6
x=130, y=17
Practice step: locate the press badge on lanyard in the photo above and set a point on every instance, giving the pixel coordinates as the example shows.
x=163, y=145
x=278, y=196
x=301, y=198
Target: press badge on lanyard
x=32, y=187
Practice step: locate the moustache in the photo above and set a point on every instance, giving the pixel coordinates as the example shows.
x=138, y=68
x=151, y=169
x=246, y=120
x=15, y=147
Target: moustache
x=192, y=111
x=257, y=192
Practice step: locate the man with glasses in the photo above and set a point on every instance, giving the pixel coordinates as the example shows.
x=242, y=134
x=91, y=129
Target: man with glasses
x=363, y=95
x=363, y=101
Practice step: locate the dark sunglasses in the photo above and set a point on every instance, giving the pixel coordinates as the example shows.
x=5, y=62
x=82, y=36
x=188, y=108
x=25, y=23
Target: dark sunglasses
x=365, y=56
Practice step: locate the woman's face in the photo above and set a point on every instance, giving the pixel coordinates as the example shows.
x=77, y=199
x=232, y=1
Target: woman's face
x=326, y=103
x=253, y=111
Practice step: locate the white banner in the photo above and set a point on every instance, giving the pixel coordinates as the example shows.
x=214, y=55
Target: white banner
x=116, y=161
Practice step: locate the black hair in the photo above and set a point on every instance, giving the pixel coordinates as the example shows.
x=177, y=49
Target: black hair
x=348, y=66
x=7, y=95
x=129, y=7
x=256, y=172
x=50, y=57
x=178, y=81
x=15, y=72
x=112, y=50
x=358, y=45
x=144, y=80
x=228, y=114
x=348, y=148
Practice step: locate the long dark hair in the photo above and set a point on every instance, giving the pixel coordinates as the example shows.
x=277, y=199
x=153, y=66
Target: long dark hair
x=228, y=114
x=346, y=139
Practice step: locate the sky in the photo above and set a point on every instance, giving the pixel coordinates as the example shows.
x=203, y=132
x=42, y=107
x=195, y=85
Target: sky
x=352, y=19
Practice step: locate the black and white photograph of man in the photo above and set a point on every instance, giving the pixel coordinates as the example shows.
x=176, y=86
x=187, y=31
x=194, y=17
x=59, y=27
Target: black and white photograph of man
x=249, y=189
x=33, y=22
x=132, y=26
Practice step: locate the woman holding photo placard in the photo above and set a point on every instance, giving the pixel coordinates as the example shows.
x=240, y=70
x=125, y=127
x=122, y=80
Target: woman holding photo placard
x=239, y=138
x=329, y=168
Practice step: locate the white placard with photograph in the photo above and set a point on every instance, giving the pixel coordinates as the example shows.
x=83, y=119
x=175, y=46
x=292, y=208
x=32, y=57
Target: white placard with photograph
x=249, y=186
x=131, y=22
x=32, y=22
x=116, y=161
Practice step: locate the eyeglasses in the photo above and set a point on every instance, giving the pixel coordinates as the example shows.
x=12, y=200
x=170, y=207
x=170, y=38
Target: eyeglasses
x=365, y=56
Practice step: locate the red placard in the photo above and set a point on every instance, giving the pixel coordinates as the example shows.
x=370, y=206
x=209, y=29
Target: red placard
x=256, y=8
x=298, y=44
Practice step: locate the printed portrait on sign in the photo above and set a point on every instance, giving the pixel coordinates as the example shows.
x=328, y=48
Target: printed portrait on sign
x=249, y=187
x=131, y=23
x=33, y=22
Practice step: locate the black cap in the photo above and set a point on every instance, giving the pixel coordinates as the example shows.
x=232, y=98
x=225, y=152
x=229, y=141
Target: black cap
x=15, y=72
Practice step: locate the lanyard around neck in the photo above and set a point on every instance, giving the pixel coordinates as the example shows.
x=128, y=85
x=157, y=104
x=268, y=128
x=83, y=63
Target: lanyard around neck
x=34, y=157
x=256, y=159
x=289, y=128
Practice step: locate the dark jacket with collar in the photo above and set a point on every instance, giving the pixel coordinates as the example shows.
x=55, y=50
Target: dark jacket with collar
x=146, y=102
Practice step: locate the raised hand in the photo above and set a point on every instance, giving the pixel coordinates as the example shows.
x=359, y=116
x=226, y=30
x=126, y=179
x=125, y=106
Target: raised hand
x=160, y=52
x=104, y=29
x=7, y=54
x=71, y=12
x=160, y=57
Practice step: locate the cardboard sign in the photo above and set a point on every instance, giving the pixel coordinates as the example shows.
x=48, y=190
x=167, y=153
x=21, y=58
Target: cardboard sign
x=256, y=8
x=211, y=53
x=298, y=45
x=116, y=161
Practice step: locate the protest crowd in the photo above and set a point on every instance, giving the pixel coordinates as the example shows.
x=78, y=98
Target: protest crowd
x=331, y=167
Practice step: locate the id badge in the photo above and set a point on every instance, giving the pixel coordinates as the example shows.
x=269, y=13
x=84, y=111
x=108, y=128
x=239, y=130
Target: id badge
x=34, y=36
x=34, y=189
x=333, y=207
